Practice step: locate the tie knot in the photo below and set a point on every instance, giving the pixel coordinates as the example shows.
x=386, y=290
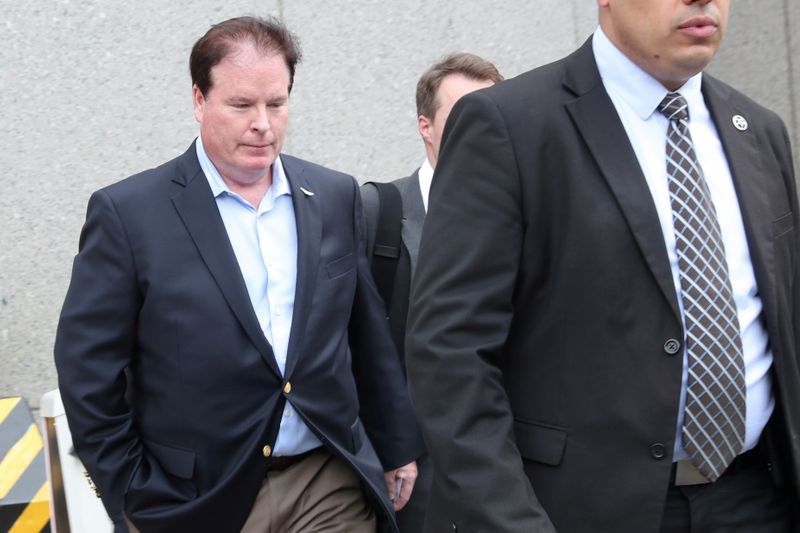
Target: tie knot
x=674, y=107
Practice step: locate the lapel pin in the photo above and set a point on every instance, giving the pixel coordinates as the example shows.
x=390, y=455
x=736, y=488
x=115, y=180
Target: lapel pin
x=306, y=191
x=739, y=122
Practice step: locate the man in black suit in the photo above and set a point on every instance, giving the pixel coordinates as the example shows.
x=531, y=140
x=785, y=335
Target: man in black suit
x=604, y=322
x=393, y=262
x=222, y=352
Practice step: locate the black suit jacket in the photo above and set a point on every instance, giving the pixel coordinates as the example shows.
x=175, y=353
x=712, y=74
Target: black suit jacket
x=543, y=302
x=411, y=518
x=157, y=294
x=413, y=217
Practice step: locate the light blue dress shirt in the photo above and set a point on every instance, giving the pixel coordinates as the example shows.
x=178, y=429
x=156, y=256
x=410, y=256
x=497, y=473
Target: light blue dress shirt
x=636, y=95
x=265, y=243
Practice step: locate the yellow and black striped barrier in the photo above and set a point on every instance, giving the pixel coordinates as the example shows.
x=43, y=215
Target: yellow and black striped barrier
x=24, y=491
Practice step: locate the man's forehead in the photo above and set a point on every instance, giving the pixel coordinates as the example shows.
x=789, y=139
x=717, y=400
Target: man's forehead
x=245, y=52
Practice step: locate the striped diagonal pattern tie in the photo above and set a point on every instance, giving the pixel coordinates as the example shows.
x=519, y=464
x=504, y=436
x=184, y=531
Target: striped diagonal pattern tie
x=714, y=425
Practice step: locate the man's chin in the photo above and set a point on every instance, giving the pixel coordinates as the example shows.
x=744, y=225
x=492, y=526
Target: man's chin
x=260, y=163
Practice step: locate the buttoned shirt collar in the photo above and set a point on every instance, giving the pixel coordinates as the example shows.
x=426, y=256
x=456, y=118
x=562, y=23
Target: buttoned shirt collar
x=425, y=175
x=280, y=185
x=635, y=87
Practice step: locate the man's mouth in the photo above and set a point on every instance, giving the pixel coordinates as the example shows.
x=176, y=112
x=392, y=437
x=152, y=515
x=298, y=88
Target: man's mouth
x=699, y=27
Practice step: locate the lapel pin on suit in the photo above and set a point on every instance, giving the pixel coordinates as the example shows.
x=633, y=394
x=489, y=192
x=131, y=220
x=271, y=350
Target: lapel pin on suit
x=739, y=122
x=306, y=192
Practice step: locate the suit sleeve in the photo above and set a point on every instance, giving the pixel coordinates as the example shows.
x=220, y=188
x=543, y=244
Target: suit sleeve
x=462, y=307
x=791, y=186
x=96, y=341
x=94, y=344
x=385, y=408
x=791, y=180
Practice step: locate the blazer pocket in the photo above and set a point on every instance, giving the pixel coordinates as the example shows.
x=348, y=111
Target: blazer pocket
x=175, y=461
x=782, y=225
x=358, y=434
x=540, y=443
x=340, y=266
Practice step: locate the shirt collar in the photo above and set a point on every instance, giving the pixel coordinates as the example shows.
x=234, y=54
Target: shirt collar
x=632, y=85
x=425, y=175
x=280, y=185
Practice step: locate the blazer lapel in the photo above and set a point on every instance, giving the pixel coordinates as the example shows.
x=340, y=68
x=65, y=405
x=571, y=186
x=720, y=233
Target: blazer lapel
x=309, y=235
x=744, y=159
x=198, y=211
x=599, y=125
x=413, y=218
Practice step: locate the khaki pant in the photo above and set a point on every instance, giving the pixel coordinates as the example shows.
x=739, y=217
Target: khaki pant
x=318, y=494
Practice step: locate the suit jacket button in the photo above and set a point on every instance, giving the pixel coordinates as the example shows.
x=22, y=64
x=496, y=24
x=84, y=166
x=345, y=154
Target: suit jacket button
x=267, y=450
x=658, y=451
x=287, y=388
x=672, y=346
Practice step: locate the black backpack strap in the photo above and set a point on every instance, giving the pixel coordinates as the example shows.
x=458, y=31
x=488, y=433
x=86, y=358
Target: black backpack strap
x=386, y=252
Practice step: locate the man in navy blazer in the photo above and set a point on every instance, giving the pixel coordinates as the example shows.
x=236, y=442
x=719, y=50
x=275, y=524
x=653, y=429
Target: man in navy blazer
x=222, y=344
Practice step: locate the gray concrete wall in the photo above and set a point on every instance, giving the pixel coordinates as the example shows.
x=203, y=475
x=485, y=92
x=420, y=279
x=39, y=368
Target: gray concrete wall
x=95, y=90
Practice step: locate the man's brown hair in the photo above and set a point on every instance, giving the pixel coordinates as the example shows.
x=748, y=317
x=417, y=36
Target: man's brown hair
x=268, y=35
x=468, y=65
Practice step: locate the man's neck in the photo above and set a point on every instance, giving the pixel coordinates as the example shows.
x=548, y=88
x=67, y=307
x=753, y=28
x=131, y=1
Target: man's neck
x=252, y=191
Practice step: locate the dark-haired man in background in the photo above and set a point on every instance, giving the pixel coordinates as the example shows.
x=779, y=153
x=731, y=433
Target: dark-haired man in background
x=227, y=295
x=394, y=213
x=605, y=319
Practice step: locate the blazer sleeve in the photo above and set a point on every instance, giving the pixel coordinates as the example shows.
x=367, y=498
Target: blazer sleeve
x=791, y=185
x=94, y=344
x=96, y=341
x=462, y=307
x=385, y=407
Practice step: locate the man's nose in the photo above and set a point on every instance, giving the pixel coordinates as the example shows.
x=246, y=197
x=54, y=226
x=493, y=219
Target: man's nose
x=260, y=120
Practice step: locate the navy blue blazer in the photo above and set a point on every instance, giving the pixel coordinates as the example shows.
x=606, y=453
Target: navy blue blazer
x=170, y=388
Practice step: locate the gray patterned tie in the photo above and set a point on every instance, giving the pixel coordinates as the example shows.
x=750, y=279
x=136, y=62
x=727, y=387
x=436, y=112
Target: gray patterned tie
x=713, y=426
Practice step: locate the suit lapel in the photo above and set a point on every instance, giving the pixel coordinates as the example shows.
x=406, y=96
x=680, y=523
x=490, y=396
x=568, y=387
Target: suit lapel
x=198, y=211
x=309, y=236
x=413, y=218
x=744, y=159
x=599, y=125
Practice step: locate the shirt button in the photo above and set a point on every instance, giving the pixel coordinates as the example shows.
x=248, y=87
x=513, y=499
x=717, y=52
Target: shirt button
x=672, y=346
x=658, y=451
x=287, y=388
x=287, y=414
x=267, y=450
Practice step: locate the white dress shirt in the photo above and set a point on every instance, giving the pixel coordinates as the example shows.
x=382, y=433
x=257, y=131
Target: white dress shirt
x=636, y=95
x=264, y=240
x=425, y=175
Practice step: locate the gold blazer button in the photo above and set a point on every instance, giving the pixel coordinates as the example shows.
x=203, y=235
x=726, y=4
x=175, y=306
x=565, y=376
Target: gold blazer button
x=267, y=451
x=288, y=387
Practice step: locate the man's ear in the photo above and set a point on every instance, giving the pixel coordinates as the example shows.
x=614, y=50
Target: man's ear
x=199, y=103
x=425, y=127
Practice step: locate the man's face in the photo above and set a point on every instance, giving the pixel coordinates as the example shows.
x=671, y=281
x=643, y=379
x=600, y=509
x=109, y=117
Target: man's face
x=672, y=40
x=452, y=88
x=245, y=114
